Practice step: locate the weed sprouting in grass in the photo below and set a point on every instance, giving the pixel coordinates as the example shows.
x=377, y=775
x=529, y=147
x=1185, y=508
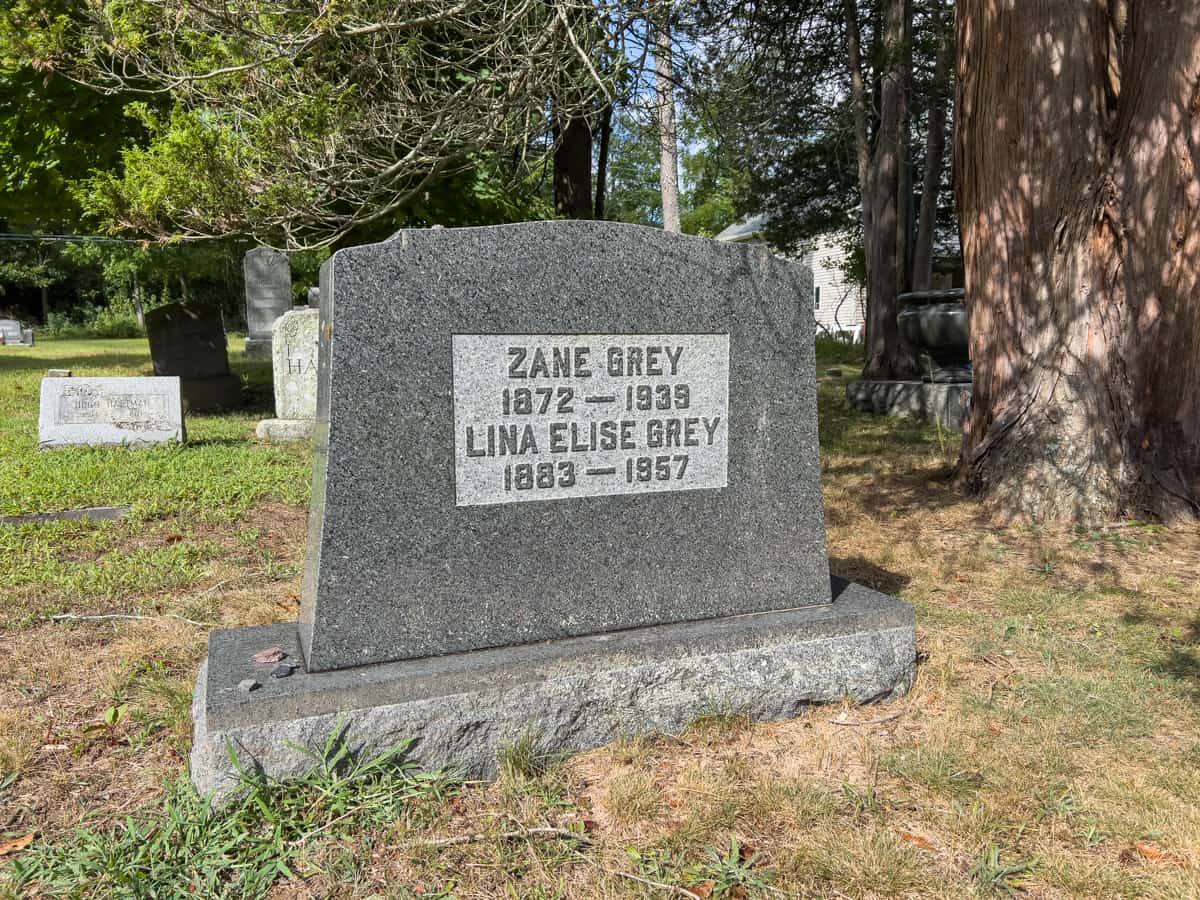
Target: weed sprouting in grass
x=522, y=761
x=529, y=772
x=655, y=863
x=186, y=848
x=724, y=871
x=1093, y=836
x=734, y=872
x=717, y=722
x=633, y=797
x=943, y=771
x=863, y=802
x=999, y=877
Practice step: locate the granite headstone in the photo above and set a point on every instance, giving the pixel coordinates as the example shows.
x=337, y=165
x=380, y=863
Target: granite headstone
x=294, y=357
x=566, y=483
x=268, y=281
x=314, y=298
x=188, y=341
x=133, y=411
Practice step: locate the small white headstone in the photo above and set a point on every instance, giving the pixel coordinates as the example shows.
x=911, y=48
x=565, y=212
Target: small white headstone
x=134, y=411
x=294, y=355
x=11, y=331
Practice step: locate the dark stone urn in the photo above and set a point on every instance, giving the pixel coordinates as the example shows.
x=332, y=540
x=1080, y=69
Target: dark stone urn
x=935, y=322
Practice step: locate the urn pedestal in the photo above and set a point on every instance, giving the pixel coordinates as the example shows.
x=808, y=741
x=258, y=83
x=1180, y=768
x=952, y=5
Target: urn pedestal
x=935, y=322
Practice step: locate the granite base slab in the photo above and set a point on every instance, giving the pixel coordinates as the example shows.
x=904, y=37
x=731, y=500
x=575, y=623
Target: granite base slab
x=201, y=394
x=570, y=694
x=945, y=403
x=277, y=430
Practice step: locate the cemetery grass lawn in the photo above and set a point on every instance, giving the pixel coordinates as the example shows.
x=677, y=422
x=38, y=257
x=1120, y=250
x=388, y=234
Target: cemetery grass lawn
x=1049, y=748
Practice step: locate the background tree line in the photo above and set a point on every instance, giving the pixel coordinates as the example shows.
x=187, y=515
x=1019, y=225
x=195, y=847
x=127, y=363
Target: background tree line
x=1074, y=180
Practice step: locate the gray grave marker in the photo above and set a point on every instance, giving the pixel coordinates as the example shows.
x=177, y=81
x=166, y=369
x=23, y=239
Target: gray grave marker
x=567, y=483
x=134, y=411
x=268, y=278
x=188, y=340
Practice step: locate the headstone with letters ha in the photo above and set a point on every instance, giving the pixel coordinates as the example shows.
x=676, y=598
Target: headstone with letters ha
x=566, y=485
x=294, y=362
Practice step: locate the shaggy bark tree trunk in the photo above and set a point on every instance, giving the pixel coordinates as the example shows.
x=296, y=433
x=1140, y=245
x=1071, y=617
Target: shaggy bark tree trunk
x=573, y=170
x=905, y=214
x=668, y=139
x=888, y=356
x=1078, y=144
x=935, y=148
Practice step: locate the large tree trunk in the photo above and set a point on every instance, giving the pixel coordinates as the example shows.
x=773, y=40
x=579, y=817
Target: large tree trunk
x=668, y=139
x=1078, y=144
x=573, y=170
x=905, y=214
x=862, y=140
x=935, y=147
x=888, y=356
x=602, y=161
x=138, y=309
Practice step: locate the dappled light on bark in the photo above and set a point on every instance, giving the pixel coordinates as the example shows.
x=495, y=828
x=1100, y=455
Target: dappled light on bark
x=1077, y=143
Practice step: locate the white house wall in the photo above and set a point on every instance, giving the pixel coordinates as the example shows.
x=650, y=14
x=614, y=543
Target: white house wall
x=841, y=302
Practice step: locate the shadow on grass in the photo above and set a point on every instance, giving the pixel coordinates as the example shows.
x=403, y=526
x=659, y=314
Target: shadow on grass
x=1181, y=658
x=136, y=363
x=862, y=571
x=894, y=491
x=1182, y=664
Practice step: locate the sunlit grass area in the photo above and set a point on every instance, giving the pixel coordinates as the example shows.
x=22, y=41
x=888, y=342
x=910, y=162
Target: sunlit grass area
x=1050, y=746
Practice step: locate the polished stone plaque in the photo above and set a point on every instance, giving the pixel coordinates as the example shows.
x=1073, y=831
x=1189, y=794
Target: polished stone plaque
x=548, y=417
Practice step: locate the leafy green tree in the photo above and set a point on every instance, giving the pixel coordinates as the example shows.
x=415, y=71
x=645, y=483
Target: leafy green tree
x=52, y=134
x=304, y=125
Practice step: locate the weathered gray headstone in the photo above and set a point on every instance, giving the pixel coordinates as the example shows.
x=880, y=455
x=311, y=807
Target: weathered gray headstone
x=314, y=298
x=268, y=279
x=294, y=356
x=188, y=340
x=567, y=484
x=134, y=411
x=27, y=337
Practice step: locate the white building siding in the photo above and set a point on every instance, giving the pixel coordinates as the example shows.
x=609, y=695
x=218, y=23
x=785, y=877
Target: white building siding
x=837, y=303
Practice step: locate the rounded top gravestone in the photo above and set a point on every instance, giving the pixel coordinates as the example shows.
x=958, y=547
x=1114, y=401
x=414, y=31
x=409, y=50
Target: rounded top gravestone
x=268, y=279
x=294, y=352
